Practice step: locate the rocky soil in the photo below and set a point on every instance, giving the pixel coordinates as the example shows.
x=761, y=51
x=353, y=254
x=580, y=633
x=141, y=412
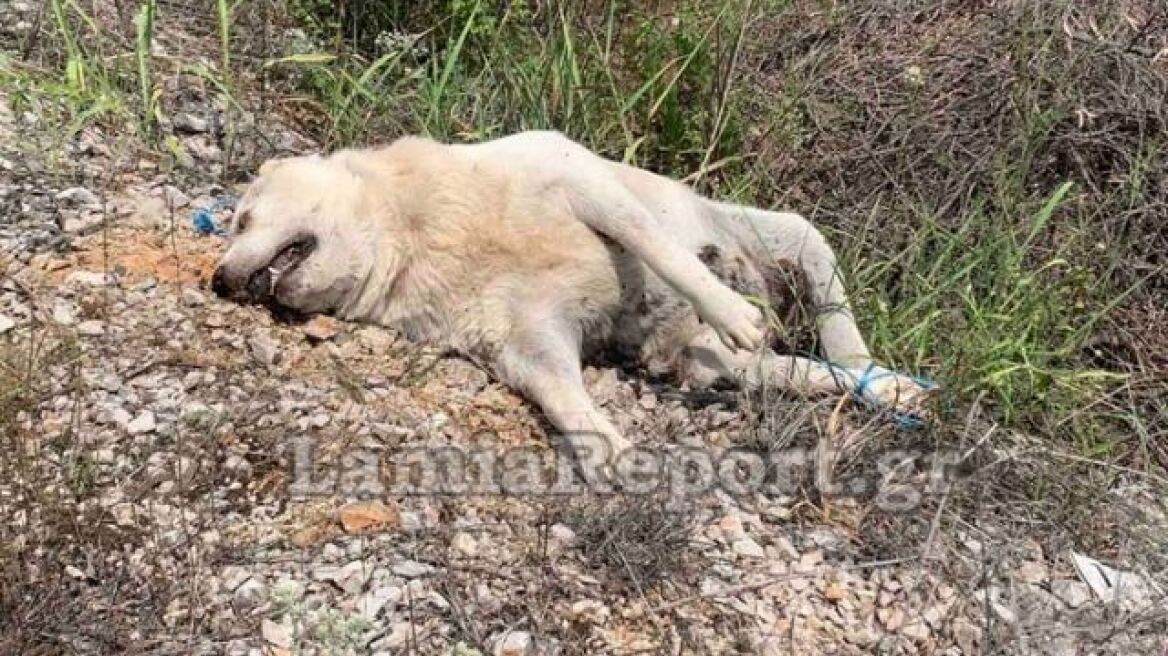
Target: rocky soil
x=182, y=475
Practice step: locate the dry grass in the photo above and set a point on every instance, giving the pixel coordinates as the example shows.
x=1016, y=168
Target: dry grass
x=640, y=541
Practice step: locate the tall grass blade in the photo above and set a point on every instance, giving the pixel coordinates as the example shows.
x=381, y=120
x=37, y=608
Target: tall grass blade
x=144, y=32
x=223, y=12
x=439, y=90
x=75, y=75
x=309, y=58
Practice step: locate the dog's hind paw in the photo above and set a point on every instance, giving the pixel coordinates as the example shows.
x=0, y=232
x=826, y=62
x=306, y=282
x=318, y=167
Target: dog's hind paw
x=906, y=397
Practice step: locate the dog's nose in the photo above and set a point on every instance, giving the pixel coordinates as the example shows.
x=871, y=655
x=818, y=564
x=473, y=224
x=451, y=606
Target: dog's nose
x=219, y=283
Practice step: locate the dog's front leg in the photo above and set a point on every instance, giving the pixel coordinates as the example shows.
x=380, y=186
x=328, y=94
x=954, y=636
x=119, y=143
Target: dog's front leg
x=543, y=362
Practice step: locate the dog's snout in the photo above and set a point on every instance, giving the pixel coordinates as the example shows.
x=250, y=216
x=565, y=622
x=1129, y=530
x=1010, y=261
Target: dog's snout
x=257, y=287
x=219, y=283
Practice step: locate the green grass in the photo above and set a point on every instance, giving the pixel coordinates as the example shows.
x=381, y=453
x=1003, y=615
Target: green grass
x=973, y=309
x=223, y=24
x=144, y=36
x=84, y=84
x=483, y=74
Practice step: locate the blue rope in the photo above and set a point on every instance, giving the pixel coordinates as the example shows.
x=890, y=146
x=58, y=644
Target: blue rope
x=859, y=384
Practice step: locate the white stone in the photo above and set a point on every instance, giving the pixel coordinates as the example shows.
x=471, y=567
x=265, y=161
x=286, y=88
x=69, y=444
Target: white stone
x=143, y=423
x=78, y=195
x=351, y=577
x=412, y=569
x=809, y=561
x=891, y=618
x=916, y=631
x=1031, y=572
x=124, y=514
x=371, y=603
x=81, y=223
x=1004, y=613
x=119, y=416
x=233, y=576
x=193, y=298
x=103, y=456
x=63, y=313
x=91, y=328
x=264, y=350
x=90, y=278
x=175, y=197
x=562, y=534
x=237, y=464
x=589, y=610
x=251, y=592
x=1075, y=594
x=514, y=643
x=279, y=635
x=464, y=543
x=748, y=548
x=192, y=380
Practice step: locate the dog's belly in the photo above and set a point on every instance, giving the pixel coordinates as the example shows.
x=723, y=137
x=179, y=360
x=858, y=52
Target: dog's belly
x=561, y=275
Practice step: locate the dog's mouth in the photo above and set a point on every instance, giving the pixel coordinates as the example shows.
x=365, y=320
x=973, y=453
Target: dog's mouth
x=261, y=286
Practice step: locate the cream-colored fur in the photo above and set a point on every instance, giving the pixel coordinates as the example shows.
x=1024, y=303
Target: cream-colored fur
x=528, y=251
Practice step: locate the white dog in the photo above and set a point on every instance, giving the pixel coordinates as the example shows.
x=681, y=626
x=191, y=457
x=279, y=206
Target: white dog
x=530, y=251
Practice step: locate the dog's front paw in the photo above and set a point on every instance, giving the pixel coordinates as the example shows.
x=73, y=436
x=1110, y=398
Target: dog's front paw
x=738, y=324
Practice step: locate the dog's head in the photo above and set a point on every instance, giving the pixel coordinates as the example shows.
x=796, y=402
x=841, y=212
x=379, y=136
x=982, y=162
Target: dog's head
x=301, y=238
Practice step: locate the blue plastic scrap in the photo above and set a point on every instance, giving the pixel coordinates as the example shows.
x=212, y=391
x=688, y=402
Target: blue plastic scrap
x=204, y=223
x=203, y=218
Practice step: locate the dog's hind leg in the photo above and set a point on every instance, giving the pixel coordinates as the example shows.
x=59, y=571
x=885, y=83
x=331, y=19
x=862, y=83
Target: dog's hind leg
x=773, y=238
x=707, y=361
x=598, y=197
x=789, y=237
x=543, y=362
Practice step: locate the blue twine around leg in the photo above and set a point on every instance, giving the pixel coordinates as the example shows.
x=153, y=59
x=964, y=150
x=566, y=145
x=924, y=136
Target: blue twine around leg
x=860, y=384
